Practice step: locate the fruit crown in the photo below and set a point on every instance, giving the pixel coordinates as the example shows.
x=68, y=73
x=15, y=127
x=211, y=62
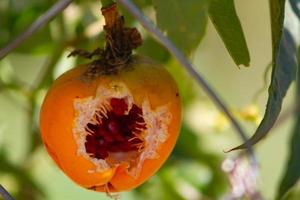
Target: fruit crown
x=119, y=42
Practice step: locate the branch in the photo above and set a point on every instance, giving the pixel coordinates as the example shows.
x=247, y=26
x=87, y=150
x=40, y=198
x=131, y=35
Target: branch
x=5, y=195
x=159, y=36
x=35, y=26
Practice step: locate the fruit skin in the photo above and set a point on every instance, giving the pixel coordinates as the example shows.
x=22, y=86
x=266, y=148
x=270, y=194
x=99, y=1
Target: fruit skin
x=144, y=79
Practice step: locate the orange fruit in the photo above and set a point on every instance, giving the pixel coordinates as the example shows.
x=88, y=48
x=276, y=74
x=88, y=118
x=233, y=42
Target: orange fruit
x=111, y=131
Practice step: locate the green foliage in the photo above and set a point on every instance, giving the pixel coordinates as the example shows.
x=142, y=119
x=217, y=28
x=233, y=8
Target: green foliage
x=183, y=22
x=29, y=189
x=16, y=17
x=227, y=23
x=295, y=7
x=277, y=18
x=217, y=183
x=283, y=71
x=154, y=50
x=292, y=173
x=187, y=88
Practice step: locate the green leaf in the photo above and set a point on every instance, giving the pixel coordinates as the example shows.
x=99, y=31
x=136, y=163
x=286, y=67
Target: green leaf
x=292, y=173
x=223, y=15
x=183, y=21
x=186, y=85
x=284, y=65
x=16, y=17
x=277, y=17
x=129, y=19
x=154, y=50
x=295, y=4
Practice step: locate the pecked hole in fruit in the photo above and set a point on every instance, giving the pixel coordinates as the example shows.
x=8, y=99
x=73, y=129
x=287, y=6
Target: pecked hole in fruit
x=111, y=130
x=117, y=130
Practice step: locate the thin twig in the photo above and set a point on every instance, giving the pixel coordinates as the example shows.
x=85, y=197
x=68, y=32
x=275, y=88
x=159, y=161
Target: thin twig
x=4, y=193
x=42, y=20
x=158, y=35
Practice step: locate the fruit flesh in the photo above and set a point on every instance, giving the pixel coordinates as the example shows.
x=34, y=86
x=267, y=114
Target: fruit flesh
x=145, y=80
x=116, y=131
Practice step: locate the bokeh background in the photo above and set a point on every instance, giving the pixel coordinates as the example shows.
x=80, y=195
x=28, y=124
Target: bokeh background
x=194, y=169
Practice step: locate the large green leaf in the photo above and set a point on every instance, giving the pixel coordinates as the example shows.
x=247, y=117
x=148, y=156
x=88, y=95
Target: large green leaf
x=292, y=173
x=284, y=66
x=184, y=22
x=295, y=4
x=277, y=18
x=154, y=50
x=223, y=15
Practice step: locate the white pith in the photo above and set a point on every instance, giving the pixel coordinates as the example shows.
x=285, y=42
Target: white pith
x=154, y=135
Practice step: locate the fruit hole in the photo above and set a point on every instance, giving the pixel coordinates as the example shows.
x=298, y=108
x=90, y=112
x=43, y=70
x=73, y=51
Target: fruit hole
x=117, y=129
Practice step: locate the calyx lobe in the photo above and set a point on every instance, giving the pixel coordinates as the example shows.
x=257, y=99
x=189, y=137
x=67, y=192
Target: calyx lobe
x=119, y=42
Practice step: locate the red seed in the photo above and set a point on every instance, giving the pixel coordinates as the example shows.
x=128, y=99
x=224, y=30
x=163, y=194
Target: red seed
x=119, y=106
x=113, y=126
x=115, y=133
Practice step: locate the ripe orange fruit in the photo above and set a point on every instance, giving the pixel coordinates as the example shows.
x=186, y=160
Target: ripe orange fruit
x=111, y=131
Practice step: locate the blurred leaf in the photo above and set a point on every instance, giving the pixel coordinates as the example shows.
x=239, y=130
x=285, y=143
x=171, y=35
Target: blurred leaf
x=16, y=17
x=277, y=17
x=292, y=173
x=40, y=42
x=293, y=193
x=161, y=186
x=141, y=4
x=154, y=50
x=29, y=189
x=189, y=147
x=194, y=173
x=183, y=21
x=227, y=23
x=185, y=83
x=283, y=71
x=170, y=187
x=295, y=4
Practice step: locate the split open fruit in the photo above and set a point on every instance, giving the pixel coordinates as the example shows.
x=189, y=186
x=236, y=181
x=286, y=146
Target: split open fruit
x=111, y=132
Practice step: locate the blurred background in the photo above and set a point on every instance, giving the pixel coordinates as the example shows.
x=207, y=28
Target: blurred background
x=194, y=169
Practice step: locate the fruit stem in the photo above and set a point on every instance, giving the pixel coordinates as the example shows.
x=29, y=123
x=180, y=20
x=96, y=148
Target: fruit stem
x=119, y=43
x=120, y=40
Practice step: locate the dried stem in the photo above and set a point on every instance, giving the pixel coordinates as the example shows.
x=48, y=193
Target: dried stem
x=42, y=20
x=120, y=40
x=119, y=44
x=4, y=193
x=159, y=36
